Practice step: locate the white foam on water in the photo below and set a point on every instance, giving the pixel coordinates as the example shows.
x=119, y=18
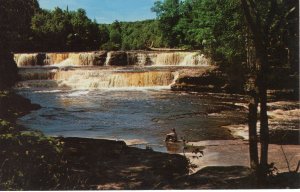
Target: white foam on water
x=134, y=88
x=65, y=63
x=78, y=93
x=48, y=91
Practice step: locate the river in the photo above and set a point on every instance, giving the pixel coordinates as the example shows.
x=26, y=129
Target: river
x=138, y=116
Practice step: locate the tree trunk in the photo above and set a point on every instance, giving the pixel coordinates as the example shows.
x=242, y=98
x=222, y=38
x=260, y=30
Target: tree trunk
x=252, y=122
x=262, y=61
x=259, y=39
x=264, y=127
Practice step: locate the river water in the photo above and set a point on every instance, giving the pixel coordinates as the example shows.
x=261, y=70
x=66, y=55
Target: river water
x=141, y=117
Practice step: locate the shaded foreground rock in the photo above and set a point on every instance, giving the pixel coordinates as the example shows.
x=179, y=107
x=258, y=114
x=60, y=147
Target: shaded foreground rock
x=105, y=164
x=13, y=106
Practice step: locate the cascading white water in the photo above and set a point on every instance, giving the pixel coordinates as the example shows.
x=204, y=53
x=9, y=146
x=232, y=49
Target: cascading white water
x=75, y=59
x=24, y=60
x=60, y=59
x=138, y=58
x=182, y=59
x=107, y=58
x=195, y=59
x=83, y=77
x=102, y=79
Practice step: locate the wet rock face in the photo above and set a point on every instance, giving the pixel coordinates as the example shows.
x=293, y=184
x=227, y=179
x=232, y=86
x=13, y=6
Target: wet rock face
x=100, y=58
x=117, y=58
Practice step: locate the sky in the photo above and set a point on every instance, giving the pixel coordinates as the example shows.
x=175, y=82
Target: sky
x=106, y=11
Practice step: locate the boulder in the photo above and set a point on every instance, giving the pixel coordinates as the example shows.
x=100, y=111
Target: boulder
x=117, y=58
x=100, y=58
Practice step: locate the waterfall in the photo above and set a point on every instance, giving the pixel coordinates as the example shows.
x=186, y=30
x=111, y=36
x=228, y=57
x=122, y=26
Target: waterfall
x=61, y=59
x=37, y=74
x=91, y=77
x=182, y=59
x=55, y=58
x=102, y=79
x=107, y=59
x=24, y=60
x=138, y=58
x=97, y=78
x=117, y=58
x=73, y=59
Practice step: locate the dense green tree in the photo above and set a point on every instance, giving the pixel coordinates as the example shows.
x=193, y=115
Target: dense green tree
x=168, y=13
x=104, y=34
x=132, y=35
x=64, y=30
x=115, y=33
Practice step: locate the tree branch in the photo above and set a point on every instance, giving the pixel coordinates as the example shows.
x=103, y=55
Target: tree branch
x=270, y=16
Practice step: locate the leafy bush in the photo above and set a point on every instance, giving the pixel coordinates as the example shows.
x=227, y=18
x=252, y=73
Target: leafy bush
x=29, y=160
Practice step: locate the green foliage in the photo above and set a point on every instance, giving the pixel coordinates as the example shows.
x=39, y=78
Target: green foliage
x=214, y=26
x=28, y=160
x=168, y=13
x=219, y=29
x=132, y=35
x=63, y=30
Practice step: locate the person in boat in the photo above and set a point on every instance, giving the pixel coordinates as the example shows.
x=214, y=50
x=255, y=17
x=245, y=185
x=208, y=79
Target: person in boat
x=172, y=136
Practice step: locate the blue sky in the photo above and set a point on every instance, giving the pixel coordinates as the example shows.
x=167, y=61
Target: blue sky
x=107, y=11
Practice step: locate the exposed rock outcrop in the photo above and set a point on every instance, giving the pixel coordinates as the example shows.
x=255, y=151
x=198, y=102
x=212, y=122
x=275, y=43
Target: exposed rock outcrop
x=117, y=58
x=207, y=81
